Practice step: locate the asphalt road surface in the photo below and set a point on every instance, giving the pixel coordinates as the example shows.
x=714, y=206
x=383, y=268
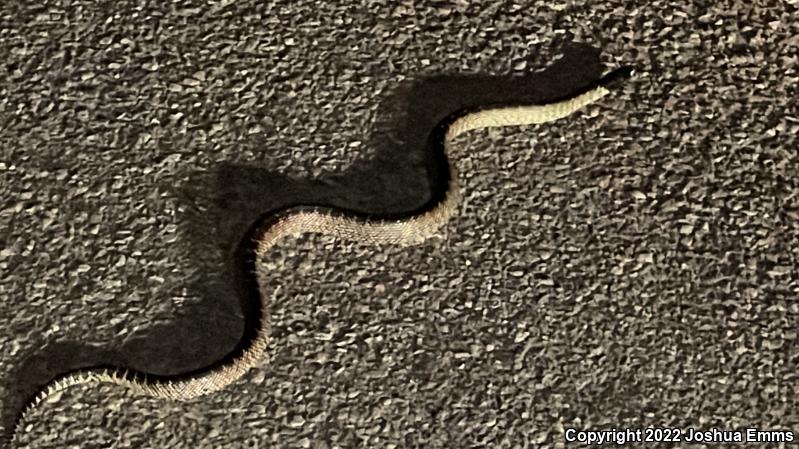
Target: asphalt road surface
x=631, y=266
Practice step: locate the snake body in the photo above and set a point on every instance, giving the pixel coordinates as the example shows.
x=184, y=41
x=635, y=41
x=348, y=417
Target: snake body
x=411, y=228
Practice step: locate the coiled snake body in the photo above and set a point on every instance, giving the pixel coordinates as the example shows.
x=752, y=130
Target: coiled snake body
x=406, y=230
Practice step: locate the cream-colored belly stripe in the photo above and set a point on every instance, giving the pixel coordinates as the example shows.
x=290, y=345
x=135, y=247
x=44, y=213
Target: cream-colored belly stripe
x=406, y=231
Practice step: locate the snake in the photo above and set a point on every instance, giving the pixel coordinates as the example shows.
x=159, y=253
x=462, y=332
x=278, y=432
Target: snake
x=406, y=229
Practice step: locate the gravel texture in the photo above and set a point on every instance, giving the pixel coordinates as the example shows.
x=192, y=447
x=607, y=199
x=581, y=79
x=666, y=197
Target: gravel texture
x=631, y=266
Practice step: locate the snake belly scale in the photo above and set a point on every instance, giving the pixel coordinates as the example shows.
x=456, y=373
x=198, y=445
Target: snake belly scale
x=407, y=229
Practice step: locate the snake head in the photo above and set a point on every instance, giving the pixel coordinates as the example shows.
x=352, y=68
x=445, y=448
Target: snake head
x=616, y=78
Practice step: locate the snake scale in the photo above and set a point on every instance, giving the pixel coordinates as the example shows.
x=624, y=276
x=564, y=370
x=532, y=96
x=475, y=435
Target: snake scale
x=407, y=229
